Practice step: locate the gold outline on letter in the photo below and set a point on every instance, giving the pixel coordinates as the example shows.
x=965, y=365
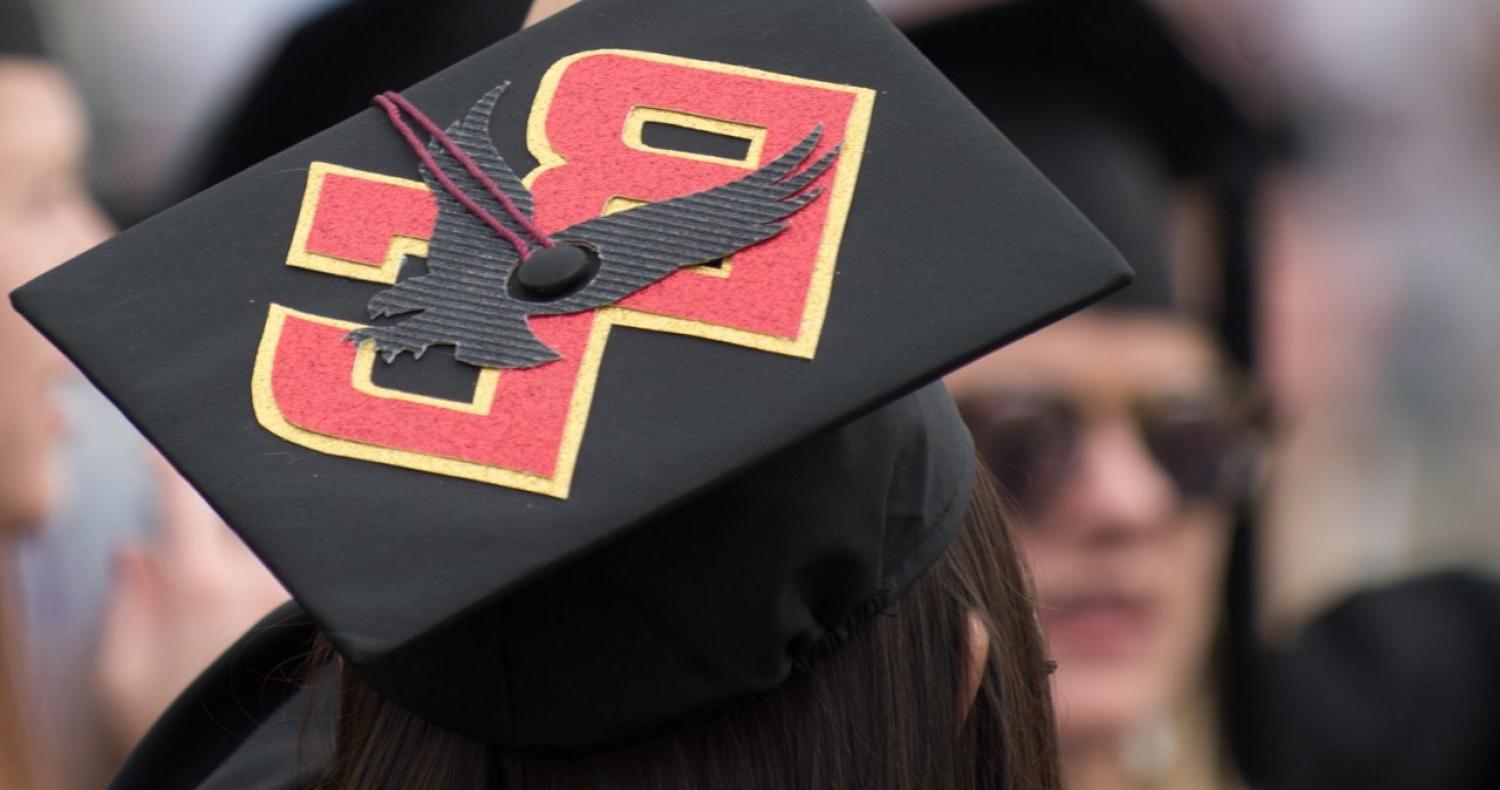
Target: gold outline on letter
x=303, y=258
x=363, y=379
x=636, y=121
x=268, y=414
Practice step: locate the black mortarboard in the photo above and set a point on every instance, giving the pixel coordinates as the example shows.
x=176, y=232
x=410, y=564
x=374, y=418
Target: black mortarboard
x=568, y=542
x=1102, y=98
x=20, y=32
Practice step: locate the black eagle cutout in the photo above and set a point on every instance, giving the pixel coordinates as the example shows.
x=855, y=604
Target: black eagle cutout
x=468, y=300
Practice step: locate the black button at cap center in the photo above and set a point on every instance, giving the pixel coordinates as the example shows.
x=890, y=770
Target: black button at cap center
x=554, y=271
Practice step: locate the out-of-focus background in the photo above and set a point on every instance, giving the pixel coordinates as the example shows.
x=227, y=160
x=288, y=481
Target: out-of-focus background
x=157, y=75
x=1379, y=280
x=1378, y=274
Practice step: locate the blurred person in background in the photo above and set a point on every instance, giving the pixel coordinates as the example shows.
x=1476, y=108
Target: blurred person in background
x=355, y=49
x=134, y=583
x=45, y=217
x=152, y=74
x=1119, y=430
x=1126, y=435
x=178, y=596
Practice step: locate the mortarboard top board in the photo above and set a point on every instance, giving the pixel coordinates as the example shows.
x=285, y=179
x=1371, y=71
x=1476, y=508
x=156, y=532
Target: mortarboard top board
x=655, y=501
x=1105, y=101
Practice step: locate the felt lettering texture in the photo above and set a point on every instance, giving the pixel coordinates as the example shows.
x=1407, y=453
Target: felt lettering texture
x=357, y=218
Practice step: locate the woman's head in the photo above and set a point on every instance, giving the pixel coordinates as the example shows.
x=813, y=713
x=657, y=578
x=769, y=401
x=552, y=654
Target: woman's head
x=1121, y=435
x=733, y=511
x=46, y=217
x=945, y=689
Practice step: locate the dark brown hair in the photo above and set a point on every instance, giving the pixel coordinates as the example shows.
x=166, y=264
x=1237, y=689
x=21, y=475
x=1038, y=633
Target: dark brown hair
x=886, y=711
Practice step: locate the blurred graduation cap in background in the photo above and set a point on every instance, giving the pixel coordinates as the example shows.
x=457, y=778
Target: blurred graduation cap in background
x=584, y=388
x=330, y=66
x=20, y=31
x=1104, y=99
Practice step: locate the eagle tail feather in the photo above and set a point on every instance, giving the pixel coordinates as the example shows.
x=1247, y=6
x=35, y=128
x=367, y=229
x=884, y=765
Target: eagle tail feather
x=799, y=182
x=787, y=163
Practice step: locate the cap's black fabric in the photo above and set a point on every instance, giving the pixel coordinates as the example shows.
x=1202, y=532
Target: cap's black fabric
x=332, y=64
x=715, y=601
x=1099, y=95
x=20, y=32
x=720, y=599
x=693, y=558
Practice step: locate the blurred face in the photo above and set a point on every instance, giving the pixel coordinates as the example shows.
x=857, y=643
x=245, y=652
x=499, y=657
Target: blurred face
x=1108, y=429
x=46, y=217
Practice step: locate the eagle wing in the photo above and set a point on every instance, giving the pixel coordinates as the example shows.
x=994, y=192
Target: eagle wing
x=463, y=299
x=640, y=246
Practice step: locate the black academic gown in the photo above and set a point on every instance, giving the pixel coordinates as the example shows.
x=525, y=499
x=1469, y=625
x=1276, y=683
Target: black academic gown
x=1394, y=689
x=252, y=721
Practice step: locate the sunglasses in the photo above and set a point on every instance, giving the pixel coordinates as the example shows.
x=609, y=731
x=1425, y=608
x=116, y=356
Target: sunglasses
x=1208, y=445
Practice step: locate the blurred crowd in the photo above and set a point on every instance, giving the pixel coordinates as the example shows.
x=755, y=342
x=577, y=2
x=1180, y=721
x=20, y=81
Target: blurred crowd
x=1257, y=490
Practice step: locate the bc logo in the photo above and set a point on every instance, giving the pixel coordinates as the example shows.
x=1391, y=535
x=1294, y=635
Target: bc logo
x=523, y=426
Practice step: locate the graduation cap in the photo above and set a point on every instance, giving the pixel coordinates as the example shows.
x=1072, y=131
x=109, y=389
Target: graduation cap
x=1104, y=100
x=664, y=284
